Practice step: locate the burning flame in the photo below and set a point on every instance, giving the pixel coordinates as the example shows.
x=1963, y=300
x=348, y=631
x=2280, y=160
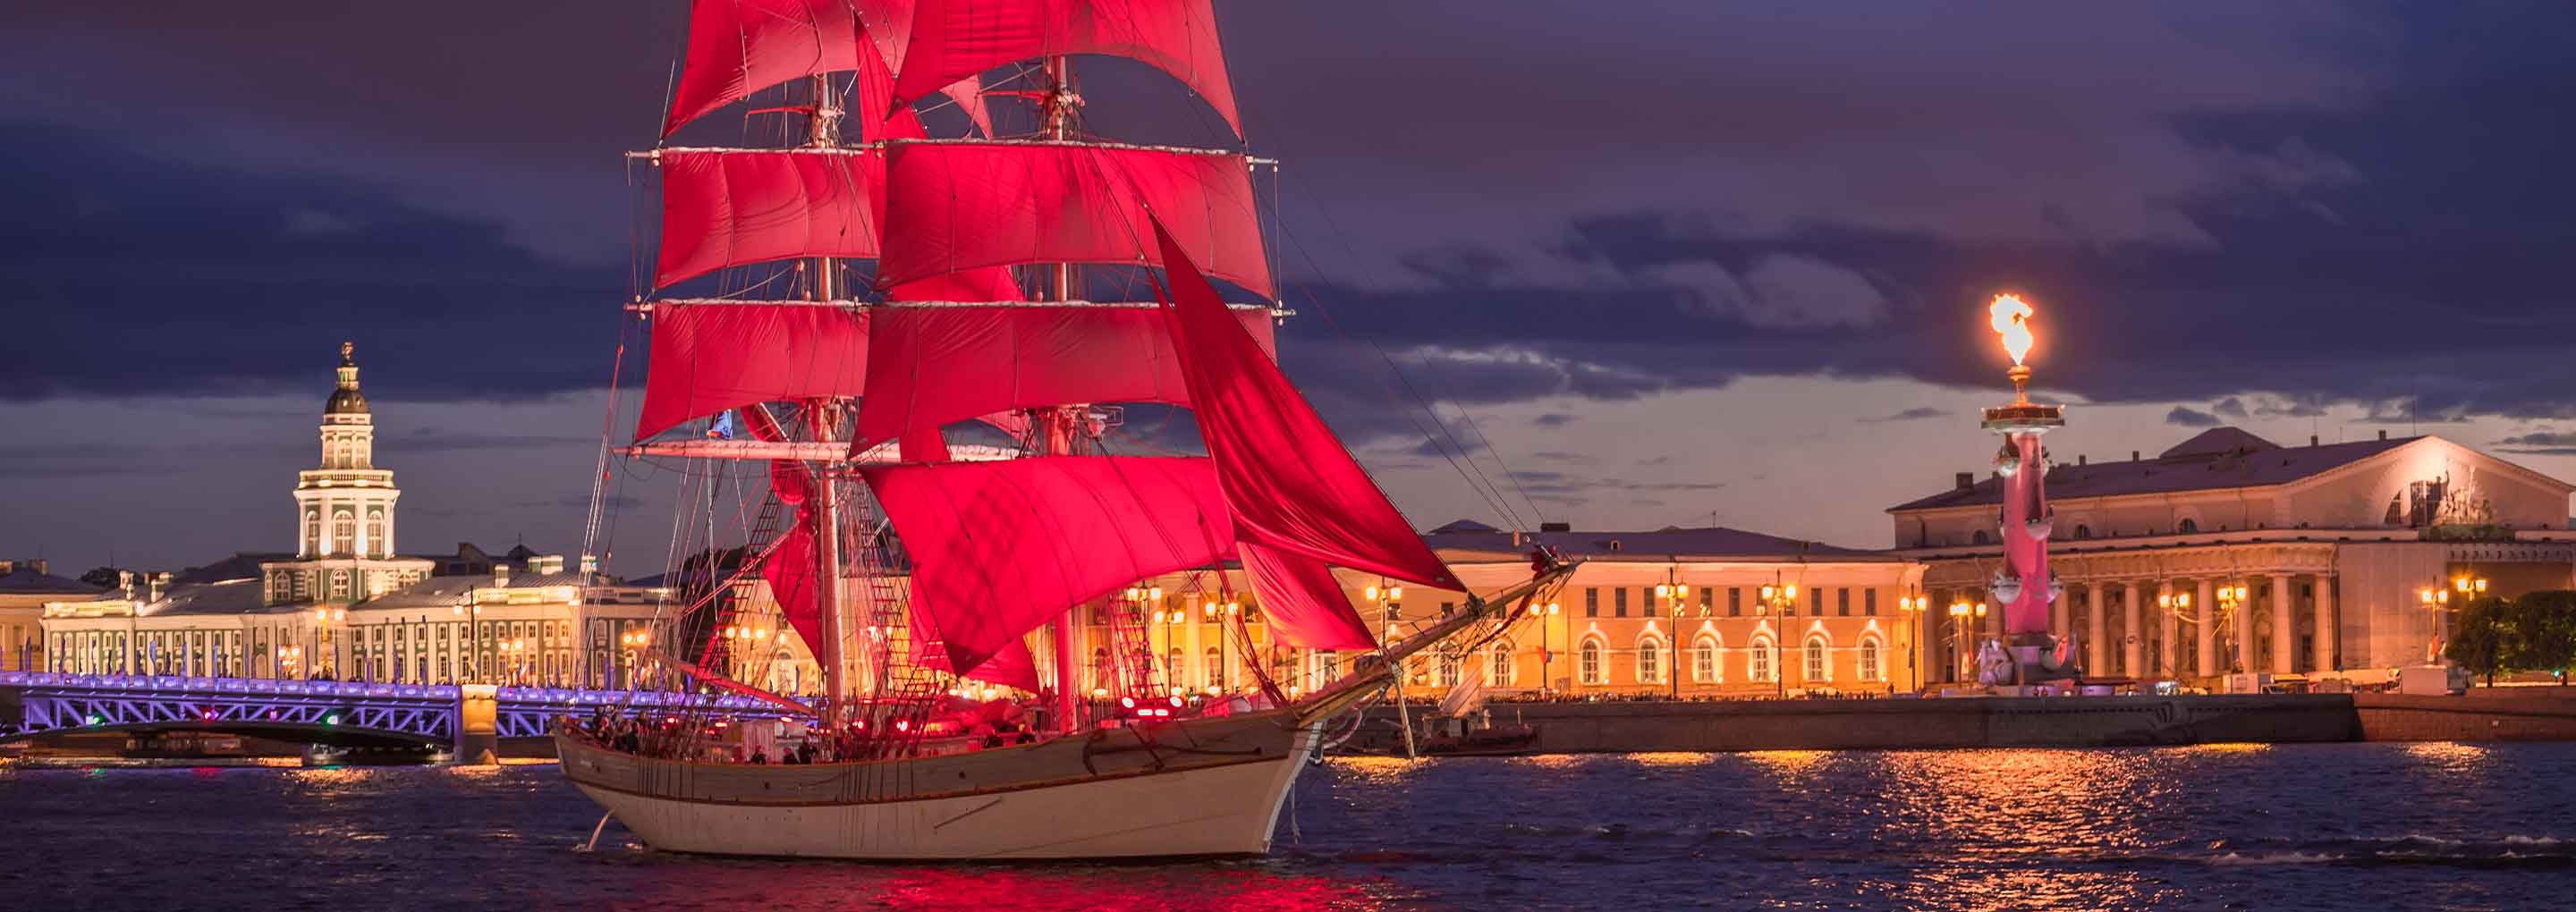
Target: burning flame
x=2012, y=322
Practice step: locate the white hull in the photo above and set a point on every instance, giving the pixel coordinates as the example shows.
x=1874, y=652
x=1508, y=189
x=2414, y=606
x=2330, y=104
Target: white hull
x=1207, y=806
x=1227, y=810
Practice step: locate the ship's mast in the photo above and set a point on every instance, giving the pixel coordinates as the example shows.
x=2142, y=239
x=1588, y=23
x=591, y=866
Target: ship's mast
x=1057, y=432
x=823, y=422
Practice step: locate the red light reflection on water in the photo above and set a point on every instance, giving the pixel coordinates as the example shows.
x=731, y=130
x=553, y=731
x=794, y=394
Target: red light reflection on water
x=1122, y=889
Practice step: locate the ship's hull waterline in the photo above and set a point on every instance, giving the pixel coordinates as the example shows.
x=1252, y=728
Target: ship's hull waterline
x=1196, y=787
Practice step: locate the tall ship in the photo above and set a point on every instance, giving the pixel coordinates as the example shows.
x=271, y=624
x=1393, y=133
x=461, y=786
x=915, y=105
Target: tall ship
x=840, y=314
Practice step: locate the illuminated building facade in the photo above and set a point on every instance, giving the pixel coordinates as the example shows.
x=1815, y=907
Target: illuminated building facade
x=2230, y=553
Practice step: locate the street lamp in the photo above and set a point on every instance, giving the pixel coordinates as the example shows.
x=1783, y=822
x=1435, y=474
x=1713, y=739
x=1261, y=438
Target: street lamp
x=1782, y=598
x=1674, y=593
x=1546, y=655
x=322, y=618
x=634, y=642
x=1914, y=604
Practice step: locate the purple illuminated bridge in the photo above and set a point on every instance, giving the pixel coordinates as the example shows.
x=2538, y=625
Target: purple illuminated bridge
x=336, y=712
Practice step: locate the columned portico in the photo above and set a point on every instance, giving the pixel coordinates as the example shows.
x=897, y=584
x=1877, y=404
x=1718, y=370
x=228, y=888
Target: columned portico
x=2243, y=631
x=2328, y=627
x=2204, y=613
x=2285, y=625
x=2168, y=655
x=2133, y=642
x=2097, y=654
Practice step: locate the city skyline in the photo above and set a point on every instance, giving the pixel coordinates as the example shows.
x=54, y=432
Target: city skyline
x=1767, y=317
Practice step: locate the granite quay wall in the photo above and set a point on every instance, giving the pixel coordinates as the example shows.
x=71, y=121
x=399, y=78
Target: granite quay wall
x=1736, y=725
x=2483, y=714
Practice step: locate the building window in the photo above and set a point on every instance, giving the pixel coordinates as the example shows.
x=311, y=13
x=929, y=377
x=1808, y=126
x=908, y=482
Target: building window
x=1759, y=660
x=339, y=584
x=1214, y=665
x=1869, y=602
x=1448, y=669
x=1707, y=600
x=1499, y=672
x=1819, y=667
x=1842, y=601
x=376, y=533
x=1619, y=602
x=1704, y=660
x=1977, y=539
x=1173, y=667
x=2083, y=531
x=312, y=531
x=344, y=533
x=1734, y=602
x=1816, y=602
x=1589, y=661
x=1869, y=670
x=1591, y=601
x=1650, y=661
x=2187, y=526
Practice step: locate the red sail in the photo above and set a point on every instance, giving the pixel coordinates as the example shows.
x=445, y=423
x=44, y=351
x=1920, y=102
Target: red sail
x=711, y=357
x=1288, y=482
x=1304, y=605
x=969, y=204
x=933, y=366
x=731, y=208
x=954, y=39
x=1014, y=666
x=1000, y=548
x=790, y=567
x=737, y=47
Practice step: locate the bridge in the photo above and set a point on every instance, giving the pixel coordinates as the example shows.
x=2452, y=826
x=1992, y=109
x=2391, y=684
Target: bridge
x=467, y=718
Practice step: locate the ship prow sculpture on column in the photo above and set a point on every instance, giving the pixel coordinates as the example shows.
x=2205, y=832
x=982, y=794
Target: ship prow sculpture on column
x=2023, y=587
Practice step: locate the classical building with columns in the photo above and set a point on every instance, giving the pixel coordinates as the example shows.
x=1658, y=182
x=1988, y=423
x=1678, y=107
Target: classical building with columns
x=346, y=605
x=2229, y=553
x=344, y=551
x=1656, y=612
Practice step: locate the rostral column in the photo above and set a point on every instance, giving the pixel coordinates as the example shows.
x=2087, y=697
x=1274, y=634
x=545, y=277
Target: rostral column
x=2023, y=587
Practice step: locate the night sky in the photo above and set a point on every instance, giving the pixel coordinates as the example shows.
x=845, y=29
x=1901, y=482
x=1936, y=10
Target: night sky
x=1677, y=262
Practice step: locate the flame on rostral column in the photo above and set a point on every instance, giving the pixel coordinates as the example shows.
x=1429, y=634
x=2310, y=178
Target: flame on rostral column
x=2011, y=317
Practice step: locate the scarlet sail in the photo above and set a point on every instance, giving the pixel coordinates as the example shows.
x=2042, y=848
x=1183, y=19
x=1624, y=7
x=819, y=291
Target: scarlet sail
x=971, y=204
x=725, y=208
x=709, y=357
x=1288, y=482
x=1305, y=606
x=932, y=366
x=737, y=47
x=953, y=39
x=1000, y=548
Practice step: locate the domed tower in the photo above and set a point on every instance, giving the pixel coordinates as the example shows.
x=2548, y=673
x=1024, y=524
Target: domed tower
x=344, y=522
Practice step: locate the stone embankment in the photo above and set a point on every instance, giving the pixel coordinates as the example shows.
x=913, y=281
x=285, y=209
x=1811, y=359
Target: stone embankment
x=1970, y=722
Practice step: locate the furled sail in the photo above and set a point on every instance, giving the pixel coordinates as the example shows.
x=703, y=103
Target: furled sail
x=1000, y=548
x=952, y=39
x=967, y=204
x=732, y=207
x=712, y=356
x=937, y=365
x=1288, y=482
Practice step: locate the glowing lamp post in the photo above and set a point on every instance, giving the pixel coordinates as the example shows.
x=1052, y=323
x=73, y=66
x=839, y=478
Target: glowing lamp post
x=2024, y=589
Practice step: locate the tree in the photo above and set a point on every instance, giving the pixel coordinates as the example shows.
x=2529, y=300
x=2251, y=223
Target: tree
x=2479, y=638
x=2543, y=626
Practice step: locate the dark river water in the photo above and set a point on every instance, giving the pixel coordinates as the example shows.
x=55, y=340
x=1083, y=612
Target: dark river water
x=2357, y=826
